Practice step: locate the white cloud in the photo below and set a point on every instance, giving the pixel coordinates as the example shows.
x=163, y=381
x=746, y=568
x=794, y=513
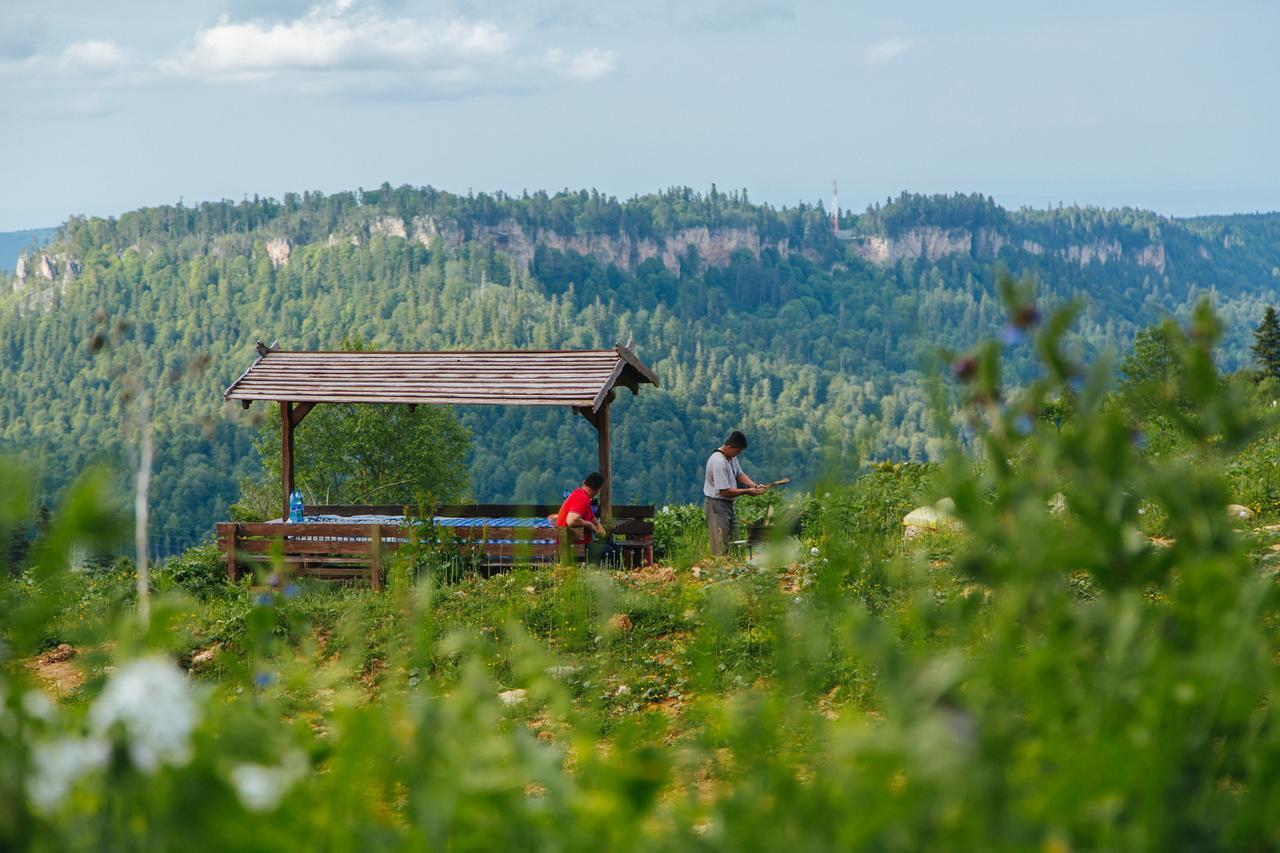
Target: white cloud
x=95, y=55
x=888, y=50
x=709, y=15
x=590, y=64
x=336, y=37
x=342, y=48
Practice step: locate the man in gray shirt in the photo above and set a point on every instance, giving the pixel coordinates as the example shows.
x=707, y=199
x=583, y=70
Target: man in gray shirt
x=724, y=483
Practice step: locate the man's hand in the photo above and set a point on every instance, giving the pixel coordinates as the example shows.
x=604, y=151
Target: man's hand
x=758, y=490
x=600, y=529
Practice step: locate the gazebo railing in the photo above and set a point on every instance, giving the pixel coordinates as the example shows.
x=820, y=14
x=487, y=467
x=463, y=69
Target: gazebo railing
x=357, y=549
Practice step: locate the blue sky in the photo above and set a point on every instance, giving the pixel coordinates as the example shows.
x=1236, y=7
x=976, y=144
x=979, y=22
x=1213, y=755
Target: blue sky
x=1168, y=105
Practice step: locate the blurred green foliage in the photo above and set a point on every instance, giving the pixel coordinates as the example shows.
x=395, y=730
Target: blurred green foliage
x=1045, y=676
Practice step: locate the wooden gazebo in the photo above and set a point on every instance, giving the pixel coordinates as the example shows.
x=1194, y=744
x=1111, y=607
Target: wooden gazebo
x=584, y=380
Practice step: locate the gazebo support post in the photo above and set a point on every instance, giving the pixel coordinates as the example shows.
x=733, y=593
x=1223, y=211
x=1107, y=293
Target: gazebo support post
x=286, y=454
x=290, y=417
x=606, y=464
x=599, y=418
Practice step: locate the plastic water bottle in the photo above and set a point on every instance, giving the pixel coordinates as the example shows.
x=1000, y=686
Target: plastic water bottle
x=295, y=506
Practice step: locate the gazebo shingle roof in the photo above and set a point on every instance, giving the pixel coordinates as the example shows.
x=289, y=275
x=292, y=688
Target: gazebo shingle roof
x=581, y=379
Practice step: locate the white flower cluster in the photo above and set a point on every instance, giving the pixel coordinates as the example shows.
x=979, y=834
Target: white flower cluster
x=262, y=787
x=38, y=706
x=56, y=765
x=149, y=698
x=152, y=700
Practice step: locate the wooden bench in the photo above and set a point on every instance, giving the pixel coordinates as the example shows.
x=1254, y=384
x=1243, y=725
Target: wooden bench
x=358, y=549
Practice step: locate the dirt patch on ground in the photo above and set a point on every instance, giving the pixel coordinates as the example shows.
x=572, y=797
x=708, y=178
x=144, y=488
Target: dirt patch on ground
x=652, y=574
x=793, y=579
x=203, y=658
x=56, y=670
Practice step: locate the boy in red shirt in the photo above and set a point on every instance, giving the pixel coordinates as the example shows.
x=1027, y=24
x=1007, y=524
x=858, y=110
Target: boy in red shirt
x=576, y=510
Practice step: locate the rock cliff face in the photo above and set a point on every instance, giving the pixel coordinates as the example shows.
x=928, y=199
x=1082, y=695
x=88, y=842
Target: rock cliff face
x=1110, y=251
x=714, y=247
x=32, y=272
x=1100, y=252
x=388, y=226
x=934, y=243
x=930, y=242
x=46, y=267
x=278, y=250
x=1152, y=256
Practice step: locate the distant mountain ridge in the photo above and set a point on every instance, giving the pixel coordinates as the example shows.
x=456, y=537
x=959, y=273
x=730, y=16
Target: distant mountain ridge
x=668, y=225
x=813, y=335
x=14, y=243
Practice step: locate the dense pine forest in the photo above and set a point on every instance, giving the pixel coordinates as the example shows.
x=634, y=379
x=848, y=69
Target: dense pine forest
x=814, y=336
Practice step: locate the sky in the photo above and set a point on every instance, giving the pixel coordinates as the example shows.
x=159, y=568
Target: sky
x=1172, y=106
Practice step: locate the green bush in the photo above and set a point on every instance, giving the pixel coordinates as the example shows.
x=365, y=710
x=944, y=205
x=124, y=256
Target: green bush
x=871, y=508
x=680, y=534
x=198, y=570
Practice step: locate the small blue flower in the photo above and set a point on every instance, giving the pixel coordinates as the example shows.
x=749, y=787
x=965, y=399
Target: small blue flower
x=1022, y=424
x=263, y=599
x=290, y=590
x=263, y=679
x=1139, y=438
x=1012, y=335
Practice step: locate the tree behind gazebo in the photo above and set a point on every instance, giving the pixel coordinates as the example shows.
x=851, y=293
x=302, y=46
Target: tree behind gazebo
x=362, y=454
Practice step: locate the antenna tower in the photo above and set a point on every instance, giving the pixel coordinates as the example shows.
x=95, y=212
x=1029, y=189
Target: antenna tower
x=835, y=206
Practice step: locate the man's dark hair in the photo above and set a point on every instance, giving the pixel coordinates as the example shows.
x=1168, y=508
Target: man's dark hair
x=736, y=439
x=594, y=480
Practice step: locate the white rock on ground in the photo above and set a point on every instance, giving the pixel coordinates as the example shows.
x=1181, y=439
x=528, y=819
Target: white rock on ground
x=939, y=516
x=1240, y=511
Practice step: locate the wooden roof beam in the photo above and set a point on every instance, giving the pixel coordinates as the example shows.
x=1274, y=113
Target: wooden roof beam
x=634, y=363
x=300, y=411
x=606, y=390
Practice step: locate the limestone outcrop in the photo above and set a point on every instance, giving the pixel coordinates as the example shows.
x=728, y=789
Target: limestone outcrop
x=278, y=250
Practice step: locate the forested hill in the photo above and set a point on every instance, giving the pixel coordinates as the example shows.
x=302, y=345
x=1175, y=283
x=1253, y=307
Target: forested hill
x=809, y=335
